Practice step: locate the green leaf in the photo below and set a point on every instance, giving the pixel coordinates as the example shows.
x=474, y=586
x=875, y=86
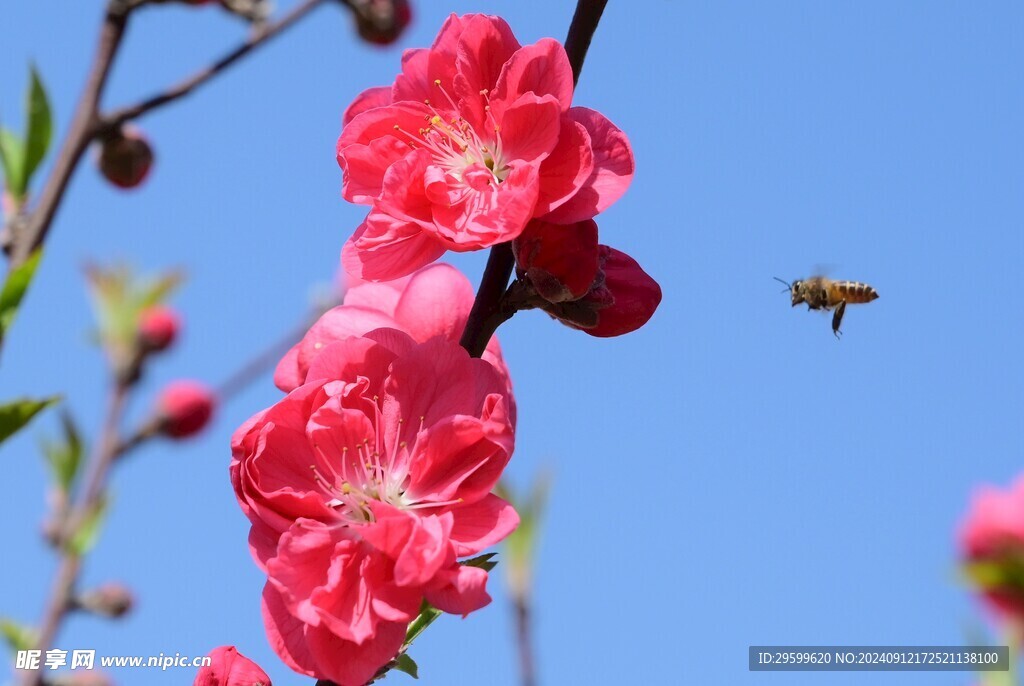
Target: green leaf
x=485, y=562
x=12, y=157
x=14, y=290
x=84, y=539
x=39, y=129
x=65, y=456
x=428, y=613
x=18, y=637
x=404, y=663
x=17, y=413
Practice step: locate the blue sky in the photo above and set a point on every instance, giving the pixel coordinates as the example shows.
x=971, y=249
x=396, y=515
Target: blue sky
x=729, y=475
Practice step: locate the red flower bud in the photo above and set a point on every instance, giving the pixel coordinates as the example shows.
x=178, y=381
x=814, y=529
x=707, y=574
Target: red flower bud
x=185, y=408
x=228, y=667
x=125, y=157
x=158, y=327
x=381, y=21
x=621, y=300
x=110, y=600
x=559, y=260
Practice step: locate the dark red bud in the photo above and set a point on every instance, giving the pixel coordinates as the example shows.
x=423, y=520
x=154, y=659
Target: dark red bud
x=125, y=157
x=158, y=327
x=381, y=21
x=184, y=408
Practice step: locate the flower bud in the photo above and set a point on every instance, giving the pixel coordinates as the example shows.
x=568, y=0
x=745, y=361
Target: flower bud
x=228, y=667
x=109, y=600
x=560, y=260
x=184, y=408
x=622, y=298
x=158, y=327
x=125, y=157
x=381, y=21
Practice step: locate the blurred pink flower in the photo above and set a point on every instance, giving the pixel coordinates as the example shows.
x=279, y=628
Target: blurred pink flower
x=230, y=668
x=435, y=301
x=992, y=546
x=475, y=137
x=363, y=487
x=158, y=327
x=185, y=408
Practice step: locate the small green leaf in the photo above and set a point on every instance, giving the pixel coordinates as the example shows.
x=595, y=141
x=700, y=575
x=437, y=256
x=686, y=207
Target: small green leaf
x=12, y=158
x=18, y=637
x=404, y=663
x=14, y=289
x=65, y=456
x=485, y=562
x=428, y=613
x=84, y=539
x=17, y=413
x=39, y=128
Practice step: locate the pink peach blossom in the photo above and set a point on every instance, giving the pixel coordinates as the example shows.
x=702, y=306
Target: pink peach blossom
x=363, y=487
x=435, y=301
x=475, y=137
x=992, y=534
x=229, y=667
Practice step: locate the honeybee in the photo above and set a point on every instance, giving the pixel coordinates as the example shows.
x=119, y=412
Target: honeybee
x=821, y=293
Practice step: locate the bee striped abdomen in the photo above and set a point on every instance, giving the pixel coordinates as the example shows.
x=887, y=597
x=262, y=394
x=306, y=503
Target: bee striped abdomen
x=854, y=292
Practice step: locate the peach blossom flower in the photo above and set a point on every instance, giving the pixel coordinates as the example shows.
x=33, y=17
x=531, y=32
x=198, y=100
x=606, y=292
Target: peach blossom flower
x=364, y=486
x=475, y=137
x=992, y=546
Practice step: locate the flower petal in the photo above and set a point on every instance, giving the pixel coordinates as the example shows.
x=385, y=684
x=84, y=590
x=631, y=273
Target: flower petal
x=384, y=248
x=482, y=524
x=542, y=69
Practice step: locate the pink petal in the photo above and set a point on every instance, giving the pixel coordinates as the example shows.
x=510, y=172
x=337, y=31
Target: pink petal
x=567, y=168
x=456, y=459
x=490, y=217
x=482, y=524
x=350, y=664
x=436, y=302
x=485, y=46
x=378, y=96
x=351, y=358
x=369, y=144
x=229, y=667
x=530, y=128
x=380, y=296
x=300, y=568
x=286, y=634
x=464, y=591
x=612, y=174
x=542, y=69
x=384, y=248
x=403, y=191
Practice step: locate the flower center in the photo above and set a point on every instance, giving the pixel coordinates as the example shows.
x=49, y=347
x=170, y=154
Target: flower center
x=470, y=159
x=367, y=471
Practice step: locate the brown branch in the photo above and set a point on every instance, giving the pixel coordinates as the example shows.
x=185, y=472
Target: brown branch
x=488, y=311
x=581, y=31
x=262, y=36
x=30, y=232
x=63, y=590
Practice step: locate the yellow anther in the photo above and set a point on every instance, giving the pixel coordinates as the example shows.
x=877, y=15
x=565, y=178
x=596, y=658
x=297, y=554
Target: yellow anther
x=436, y=120
x=437, y=82
x=346, y=488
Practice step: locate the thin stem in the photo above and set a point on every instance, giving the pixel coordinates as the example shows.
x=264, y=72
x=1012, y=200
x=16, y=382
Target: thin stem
x=262, y=36
x=524, y=639
x=70, y=566
x=32, y=230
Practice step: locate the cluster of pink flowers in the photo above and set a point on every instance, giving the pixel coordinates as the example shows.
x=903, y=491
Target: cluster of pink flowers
x=373, y=477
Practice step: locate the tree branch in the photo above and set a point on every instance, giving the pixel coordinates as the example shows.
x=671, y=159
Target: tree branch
x=581, y=31
x=262, y=36
x=30, y=232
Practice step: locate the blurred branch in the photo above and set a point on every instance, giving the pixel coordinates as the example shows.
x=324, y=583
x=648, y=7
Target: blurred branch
x=490, y=308
x=27, y=232
x=63, y=591
x=262, y=35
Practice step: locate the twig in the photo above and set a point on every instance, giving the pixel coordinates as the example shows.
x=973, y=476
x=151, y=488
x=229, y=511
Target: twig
x=62, y=593
x=524, y=641
x=262, y=36
x=490, y=308
x=32, y=230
